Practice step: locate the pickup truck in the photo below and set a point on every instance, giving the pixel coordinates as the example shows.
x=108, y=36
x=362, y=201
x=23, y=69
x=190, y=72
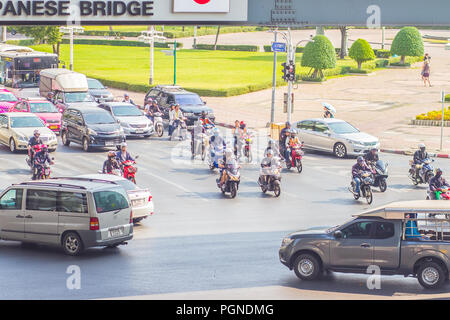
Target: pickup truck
x=410, y=238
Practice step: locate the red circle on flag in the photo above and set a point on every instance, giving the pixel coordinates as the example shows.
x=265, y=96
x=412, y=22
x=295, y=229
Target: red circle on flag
x=202, y=1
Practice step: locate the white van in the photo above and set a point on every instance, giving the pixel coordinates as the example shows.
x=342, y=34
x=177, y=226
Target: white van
x=73, y=213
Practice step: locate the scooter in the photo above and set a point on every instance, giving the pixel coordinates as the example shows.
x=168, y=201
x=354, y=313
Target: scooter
x=365, y=189
x=270, y=179
x=381, y=174
x=180, y=131
x=296, y=158
x=129, y=170
x=199, y=145
x=440, y=194
x=215, y=156
x=232, y=182
x=425, y=171
x=41, y=172
x=158, y=124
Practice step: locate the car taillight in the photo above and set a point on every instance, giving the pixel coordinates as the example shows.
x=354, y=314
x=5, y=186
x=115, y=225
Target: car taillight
x=94, y=225
x=150, y=198
x=131, y=217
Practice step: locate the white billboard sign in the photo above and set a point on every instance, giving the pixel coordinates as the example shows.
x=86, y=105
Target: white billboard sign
x=206, y=6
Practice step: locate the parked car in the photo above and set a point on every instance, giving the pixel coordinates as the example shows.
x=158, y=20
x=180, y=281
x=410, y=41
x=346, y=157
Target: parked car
x=7, y=100
x=400, y=238
x=69, y=213
x=190, y=103
x=141, y=199
x=91, y=127
x=44, y=109
x=99, y=91
x=132, y=120
x=335, y=136
x=16, y=129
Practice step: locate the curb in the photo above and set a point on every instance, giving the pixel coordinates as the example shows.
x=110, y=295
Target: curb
x=410, y=153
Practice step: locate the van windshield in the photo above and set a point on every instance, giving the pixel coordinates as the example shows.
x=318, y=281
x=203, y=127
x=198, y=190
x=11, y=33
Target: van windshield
x=73, y=97
x=98, y=118
x=110, y=200
x=188, y=99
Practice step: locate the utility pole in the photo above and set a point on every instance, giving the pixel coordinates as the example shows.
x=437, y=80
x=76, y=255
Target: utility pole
x=442, y=120
x=274, y=82
x=149, y=37
x=71, y=30
x=382, y=37
x=195, y=38
x=175, y=63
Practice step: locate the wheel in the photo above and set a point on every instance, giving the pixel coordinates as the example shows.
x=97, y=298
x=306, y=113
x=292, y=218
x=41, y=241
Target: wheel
x=383, y=184
x=249, y=156
x=233, y=190
x=64, y=139
x=430, y=275
x=299, y=166
x=72, y=244
x=307, y=267
x=369, y=196
x=277, y=188
x=86, y=145
x=340, y=151
x=12, y=145
x=159, y=130
x=203, y=152
x=51, y=150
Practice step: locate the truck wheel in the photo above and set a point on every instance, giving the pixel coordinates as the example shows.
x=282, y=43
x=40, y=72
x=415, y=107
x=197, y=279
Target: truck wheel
x=307, y=267
x=431, y=275
x=72, y=244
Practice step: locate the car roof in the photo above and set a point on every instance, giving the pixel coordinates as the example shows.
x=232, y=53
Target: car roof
x=118, y=104
x=71, y=183
x=20, y=114
x=325, y=120
x=87, y=109
x=173, y=90
x=107, y=177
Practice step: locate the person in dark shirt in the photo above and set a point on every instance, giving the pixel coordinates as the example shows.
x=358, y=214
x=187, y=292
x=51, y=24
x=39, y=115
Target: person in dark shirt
x=110, y=164
x=40, y=159
x=437, y=183
x=357, y=169
x=285, y=132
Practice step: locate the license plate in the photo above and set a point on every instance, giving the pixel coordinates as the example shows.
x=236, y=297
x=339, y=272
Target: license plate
x=53, y=127
x=138, y=203
x=109, y=143
x=139, y=130
x=116, y=232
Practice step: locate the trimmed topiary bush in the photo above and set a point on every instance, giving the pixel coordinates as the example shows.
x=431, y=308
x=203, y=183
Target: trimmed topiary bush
x=319, y=55
x=408, y=42
x=447, y=97
x=361, y=51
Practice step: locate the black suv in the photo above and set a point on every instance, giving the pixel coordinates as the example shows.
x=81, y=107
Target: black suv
x=91, y=127
x=190, y=103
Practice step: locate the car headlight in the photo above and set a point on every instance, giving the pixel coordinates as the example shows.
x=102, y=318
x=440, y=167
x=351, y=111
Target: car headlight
x=286, y=241
x=22, y=138
x=91, y=132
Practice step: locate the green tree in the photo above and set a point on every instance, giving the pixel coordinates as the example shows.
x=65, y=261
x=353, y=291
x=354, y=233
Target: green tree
x=361, y=51
x=319, y=55
x=408, y=42
x=43, y=34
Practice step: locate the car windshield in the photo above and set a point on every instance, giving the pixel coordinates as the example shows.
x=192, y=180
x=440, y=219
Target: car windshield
x=7, y=96
x=43, y=107
x=95, y=84
x=72, y=97
x=126, y=111
x=26, y=122
x=342, y=127
x=127, y=185
x=188, y=99
x=98, y=118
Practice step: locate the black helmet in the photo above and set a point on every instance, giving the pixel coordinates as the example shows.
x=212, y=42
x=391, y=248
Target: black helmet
x=438, y=171
x=360, y=159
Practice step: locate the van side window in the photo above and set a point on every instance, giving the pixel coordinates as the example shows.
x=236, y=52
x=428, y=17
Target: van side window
x=12, y=200
x=106, y=201
x=41, y=200
x=72, y=202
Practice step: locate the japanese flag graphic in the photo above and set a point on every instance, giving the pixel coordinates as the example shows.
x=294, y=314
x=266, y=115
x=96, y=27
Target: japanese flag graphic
x=211, y=6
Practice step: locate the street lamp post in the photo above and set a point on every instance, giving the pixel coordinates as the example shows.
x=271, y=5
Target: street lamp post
x=150, y=37
x=71, y=30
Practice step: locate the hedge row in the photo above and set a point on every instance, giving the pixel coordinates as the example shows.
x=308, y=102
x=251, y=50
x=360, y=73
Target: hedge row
x=120, y=43
x=228, y=47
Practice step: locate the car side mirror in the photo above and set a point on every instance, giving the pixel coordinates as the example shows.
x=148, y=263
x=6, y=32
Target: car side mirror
x=136, y=157
x=338, y=234
x=204, y=102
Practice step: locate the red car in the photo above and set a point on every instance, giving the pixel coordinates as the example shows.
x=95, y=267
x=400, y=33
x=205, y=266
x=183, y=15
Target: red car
x=7, y=100
x=44, y=109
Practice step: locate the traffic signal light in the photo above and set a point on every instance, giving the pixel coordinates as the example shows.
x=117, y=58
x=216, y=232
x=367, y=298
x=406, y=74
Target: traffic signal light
x=285, y=71
x=288, y=71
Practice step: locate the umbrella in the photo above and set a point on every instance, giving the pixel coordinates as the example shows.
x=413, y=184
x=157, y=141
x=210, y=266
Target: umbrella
x=329, y=107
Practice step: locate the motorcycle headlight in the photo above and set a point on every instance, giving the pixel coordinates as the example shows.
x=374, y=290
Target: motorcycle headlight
x=286, y=241
x=91, y=132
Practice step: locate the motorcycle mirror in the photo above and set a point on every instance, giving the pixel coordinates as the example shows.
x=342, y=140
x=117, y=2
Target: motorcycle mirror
x=136, y=157
x=100, y=171
x=338, y=234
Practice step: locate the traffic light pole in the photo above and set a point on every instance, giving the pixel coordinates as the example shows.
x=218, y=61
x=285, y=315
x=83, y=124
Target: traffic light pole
x=274, y=83
x=290, y=83
x=175, y=63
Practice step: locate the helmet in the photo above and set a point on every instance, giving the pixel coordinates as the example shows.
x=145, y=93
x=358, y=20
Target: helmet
x=125, y=95
x=216, y=132
x=242, y=124
x=111, y=154
x=438, y=171
x=203, y=113
x=360, y=159
x=374, y=149
x=123, y=144
x=35, y=132
x=270, y=152
x=421, y=146
x=288, y=124
x=293, y=132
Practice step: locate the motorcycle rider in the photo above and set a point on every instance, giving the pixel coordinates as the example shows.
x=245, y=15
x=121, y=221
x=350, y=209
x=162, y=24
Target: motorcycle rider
x=238, y=133
x=205, y=120
x=123, y=155
x=50, y=96
x=171, y=118
x=153, y=108
x=34, y=140
x=419, y=156
x=436, y=183
x=272, y=145
x=357, y=169
x=111, y=163
x=40, y=158
x=269, y=161
x=177, y=117
x=216, y=141
x=291, y=141
x=126, y=98
x=283, y=136
x=229, y=162
x=372, y=158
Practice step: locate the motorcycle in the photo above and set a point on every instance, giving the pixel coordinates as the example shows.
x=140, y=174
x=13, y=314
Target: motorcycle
x=381, y=174
x=180, y=131
x=232, y=182
x=200, y=142
x=129, y=170
x=425, y=171
x=365, y=189
x=35, y=149
x=158, y=124
x=296, y=158
x=215, y=156
x=248, y=139
x=41, y=171
x=272, y=181
x=440, y=194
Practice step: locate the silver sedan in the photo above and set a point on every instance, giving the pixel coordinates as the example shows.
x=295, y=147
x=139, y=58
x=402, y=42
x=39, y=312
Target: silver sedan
x=336, y=136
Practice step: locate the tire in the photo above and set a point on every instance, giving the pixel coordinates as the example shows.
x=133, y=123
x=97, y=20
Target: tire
x=299, y=166
x=430, y=275
x=72, y=244
x=339, y=150
x=249, y=156
x=64, y=139
x=203, y=152
x=12, y=145
x=369, y=195
x=383, y=184
x=160, y=130
x=86, y=145
x=307, y=267
x=233, y=190
x=277, y=188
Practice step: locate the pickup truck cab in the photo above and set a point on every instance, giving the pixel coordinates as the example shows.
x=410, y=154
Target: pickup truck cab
x=410, y=238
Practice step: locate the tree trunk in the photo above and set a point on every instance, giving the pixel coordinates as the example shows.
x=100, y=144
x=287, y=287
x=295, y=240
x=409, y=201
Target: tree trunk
x=344, y=36
x=110, y=28
x=359, y=65
x=402, y=60
x=217, y=38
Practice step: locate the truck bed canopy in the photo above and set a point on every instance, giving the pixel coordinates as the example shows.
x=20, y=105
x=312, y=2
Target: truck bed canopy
x=397, y=210
x=65, y=80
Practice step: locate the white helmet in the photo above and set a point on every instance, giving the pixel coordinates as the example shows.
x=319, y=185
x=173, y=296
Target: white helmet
x=421, y=145
x=270, y=151
x=123, y=144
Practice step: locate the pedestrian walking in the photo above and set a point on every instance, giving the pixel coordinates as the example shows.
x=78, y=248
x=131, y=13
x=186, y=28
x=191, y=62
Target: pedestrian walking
x=426, y=72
